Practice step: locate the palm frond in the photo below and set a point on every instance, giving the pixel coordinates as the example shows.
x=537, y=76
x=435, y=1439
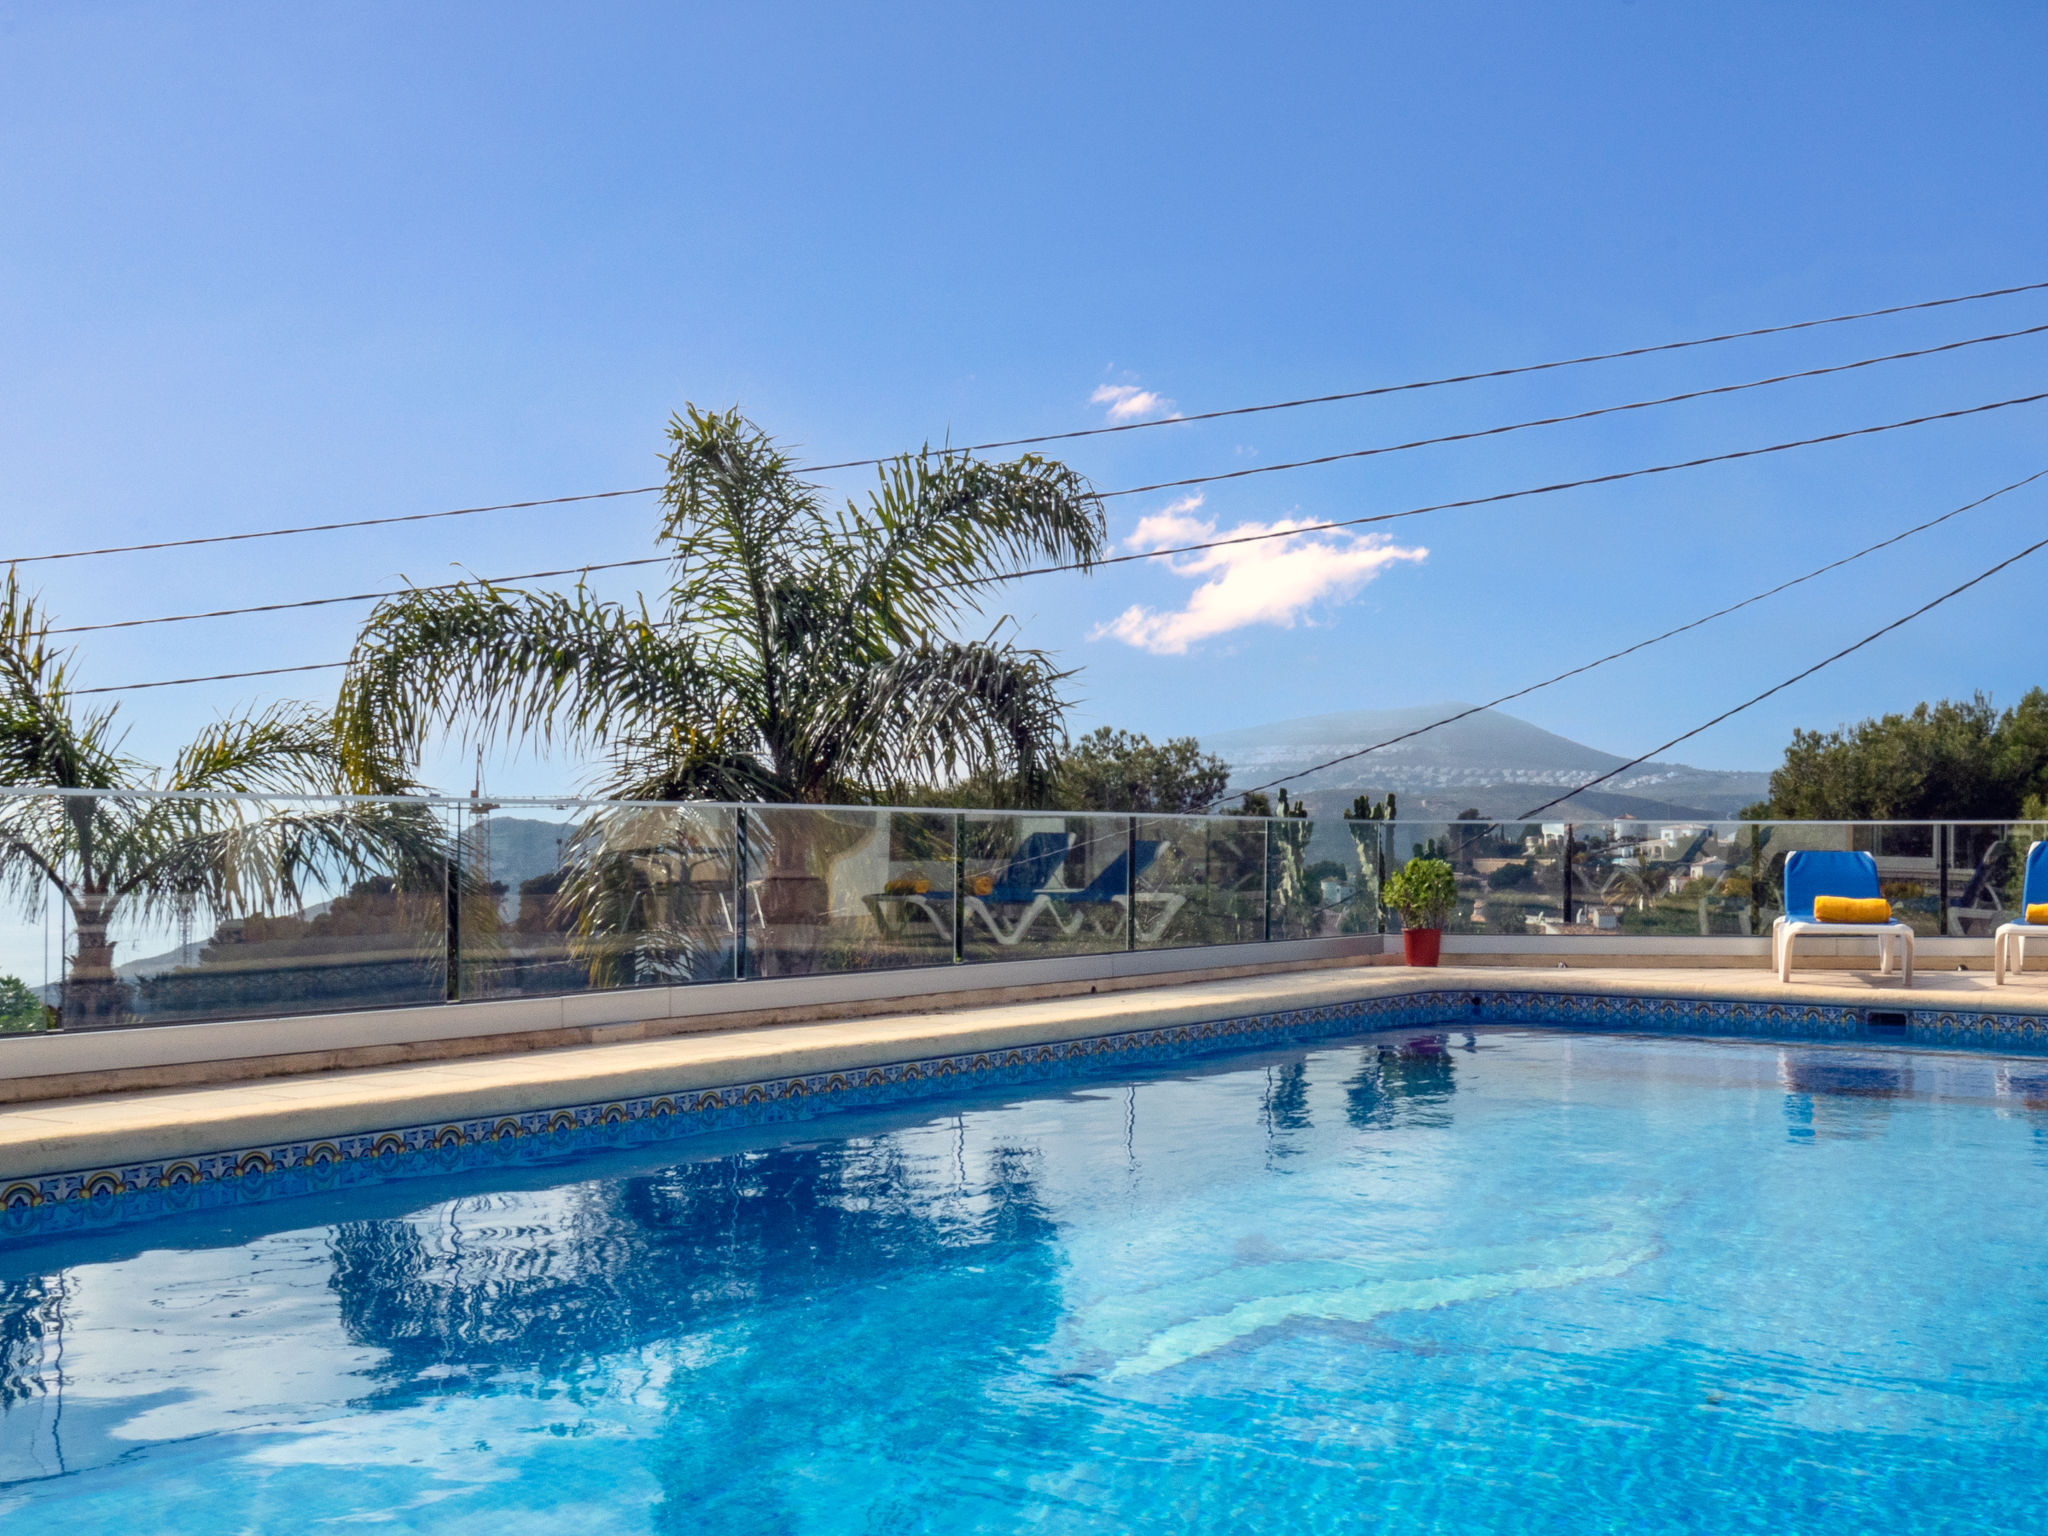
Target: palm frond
x=939, y=528
x=43, y=743
x=948, y=708
x=504, y=665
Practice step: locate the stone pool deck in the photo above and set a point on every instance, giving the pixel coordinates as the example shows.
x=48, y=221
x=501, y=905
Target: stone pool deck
x=113, y=1130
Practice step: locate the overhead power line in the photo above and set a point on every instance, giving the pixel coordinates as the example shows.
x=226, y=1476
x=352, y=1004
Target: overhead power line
x=1045, y=570
x=359, y=522
x=1464, y=378
x=1248, y=538
x=1245, y=410
x=357, y=597
x=1797, y=677
x=360, y=597
x=1359, y=453
x=1640, y=645
x=1498, y=496
x=217, y=677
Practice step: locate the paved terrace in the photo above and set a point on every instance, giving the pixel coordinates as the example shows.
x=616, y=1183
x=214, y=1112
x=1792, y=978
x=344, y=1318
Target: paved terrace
x=114, y=1129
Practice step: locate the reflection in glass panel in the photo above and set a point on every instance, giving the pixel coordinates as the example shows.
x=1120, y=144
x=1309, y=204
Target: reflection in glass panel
x=847, y=890
x=1293, y=885
x=1201, y=880
x=623, y=896
x=1045, y=884
x=220, y=907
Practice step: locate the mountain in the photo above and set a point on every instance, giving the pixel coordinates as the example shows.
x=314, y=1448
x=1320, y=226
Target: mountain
x=1491, y=762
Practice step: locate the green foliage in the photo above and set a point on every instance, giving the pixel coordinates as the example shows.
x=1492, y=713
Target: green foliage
x=1423, y=891
x=800, y=654
x=1110, y=770
x=1949, y=761
x=1513, y=877
x=20, y=1009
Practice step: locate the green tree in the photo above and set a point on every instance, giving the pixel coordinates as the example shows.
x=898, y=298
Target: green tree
x=1955, y=760
x=147, y=855
x=20, y=1008
x=1110, y=770
x=799, y=654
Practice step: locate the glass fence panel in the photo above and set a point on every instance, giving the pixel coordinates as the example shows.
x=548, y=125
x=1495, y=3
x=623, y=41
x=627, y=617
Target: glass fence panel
x=1039, y=884
x=610, y=896
x=847, y=890
x=1294, y=893
x=241, y=906
x=1978, y=873
x=1510, y=877
x=1201, y=880
x=148, y=911
x=1659, y=879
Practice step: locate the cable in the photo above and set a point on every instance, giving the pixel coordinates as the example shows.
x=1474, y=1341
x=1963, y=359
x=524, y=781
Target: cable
x=1480, y=501
x=1640, y=645
x=217, y=677
x=1796, y=677
x=355, y=597
x=363, y=597
x=1360, y=453
x=1245, y=410
x=1281, y=533
x=360, y=522
x=1633, y=405
x=1636, y=405
x=1461, y=378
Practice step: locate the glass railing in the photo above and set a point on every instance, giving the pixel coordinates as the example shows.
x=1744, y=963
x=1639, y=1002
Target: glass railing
x=1707, y=879
x=149, y=909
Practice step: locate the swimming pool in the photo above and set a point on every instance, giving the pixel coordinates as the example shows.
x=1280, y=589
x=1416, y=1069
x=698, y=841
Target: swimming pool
x=1491, y=1280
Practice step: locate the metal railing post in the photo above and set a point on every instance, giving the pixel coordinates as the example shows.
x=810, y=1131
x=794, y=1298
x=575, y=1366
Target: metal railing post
x=451, y=895
x=1266, y=879
x=1379, y=901
x=1944, y=842
x=959, y=888
x=1131, y=884
x=739, y=893
x=1568, y=828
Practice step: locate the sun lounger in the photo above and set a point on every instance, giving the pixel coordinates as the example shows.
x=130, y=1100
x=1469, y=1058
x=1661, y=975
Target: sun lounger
x=1809, y=875
x=2011, y=938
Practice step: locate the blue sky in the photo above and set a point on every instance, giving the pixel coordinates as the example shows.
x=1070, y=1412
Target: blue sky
x=264, y=265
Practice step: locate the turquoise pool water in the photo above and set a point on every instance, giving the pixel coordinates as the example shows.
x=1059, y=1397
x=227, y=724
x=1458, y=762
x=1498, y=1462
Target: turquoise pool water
x=1499, y=1281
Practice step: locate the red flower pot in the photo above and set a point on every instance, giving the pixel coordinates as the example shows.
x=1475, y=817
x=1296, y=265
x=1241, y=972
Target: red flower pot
x=1421, y=946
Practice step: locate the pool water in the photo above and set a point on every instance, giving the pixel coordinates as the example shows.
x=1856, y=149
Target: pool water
x=1500, y=1281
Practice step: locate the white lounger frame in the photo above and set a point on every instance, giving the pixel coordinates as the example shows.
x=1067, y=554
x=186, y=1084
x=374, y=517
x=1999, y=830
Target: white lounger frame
x=1784, y=932
x=2014, y=935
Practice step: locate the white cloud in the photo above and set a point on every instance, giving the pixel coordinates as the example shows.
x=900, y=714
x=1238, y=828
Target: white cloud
x=1127, y=402
x=1271, y=581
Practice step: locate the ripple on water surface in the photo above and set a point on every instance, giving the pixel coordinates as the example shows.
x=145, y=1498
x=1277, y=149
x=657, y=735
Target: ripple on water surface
x=1505, y=1281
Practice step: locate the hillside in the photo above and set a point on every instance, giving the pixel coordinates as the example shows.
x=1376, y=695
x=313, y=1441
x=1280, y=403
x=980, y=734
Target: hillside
x=1491, y=762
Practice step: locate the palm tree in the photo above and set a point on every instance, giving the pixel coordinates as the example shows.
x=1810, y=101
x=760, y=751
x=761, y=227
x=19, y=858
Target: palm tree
x=168, y=847
x=800, y=654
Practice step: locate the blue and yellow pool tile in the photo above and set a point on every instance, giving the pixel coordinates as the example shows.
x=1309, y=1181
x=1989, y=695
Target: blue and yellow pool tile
x=97, y=1196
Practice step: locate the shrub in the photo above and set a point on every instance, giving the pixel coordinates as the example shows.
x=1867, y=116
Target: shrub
x=1423, y=892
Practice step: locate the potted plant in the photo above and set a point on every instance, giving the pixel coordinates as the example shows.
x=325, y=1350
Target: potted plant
x=1424, y=893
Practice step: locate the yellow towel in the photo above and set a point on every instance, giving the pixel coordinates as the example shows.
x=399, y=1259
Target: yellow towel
x=2037, y=912
x=1851, y=909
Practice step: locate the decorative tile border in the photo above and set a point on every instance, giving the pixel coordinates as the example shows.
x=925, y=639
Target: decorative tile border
x=114, y=1196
